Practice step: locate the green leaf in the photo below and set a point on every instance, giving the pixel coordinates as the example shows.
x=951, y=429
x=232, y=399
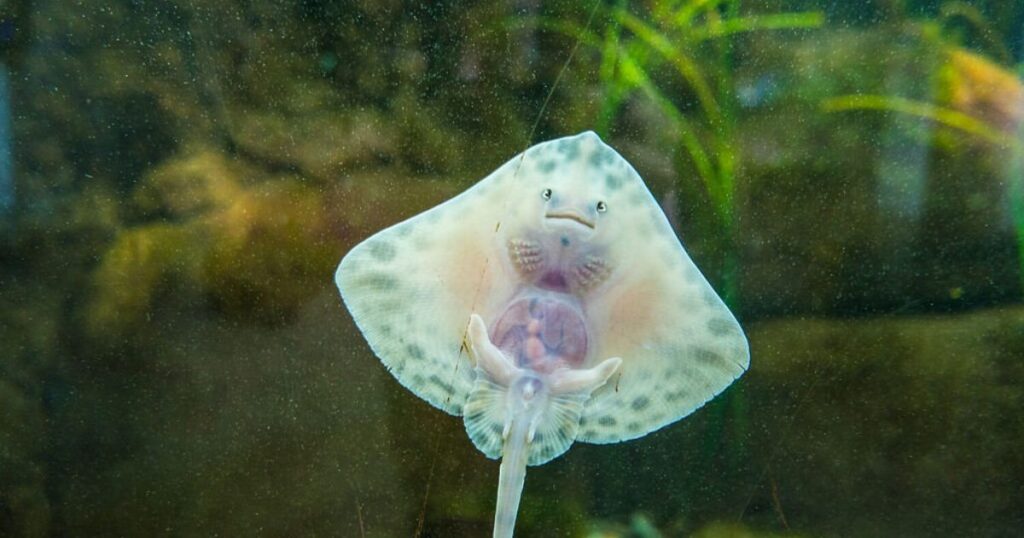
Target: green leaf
x=945, y=116
x=684, y=17
x=683, y=63
x=705, y=169
x=775, y=21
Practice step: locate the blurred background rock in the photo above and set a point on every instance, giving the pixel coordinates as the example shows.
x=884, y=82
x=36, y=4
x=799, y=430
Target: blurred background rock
x=183, y=176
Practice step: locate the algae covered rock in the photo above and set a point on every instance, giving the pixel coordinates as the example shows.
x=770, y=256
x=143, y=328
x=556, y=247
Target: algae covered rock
x=256, y=250
x=174, y=205
x=206, y=228
x=272, y=252
x=138, y=267
x=188, y=186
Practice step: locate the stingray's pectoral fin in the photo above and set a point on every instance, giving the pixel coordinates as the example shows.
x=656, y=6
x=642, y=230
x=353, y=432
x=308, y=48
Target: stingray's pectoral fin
x=584, y=381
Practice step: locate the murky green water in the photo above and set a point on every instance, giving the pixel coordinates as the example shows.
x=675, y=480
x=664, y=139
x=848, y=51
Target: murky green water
x=179, y=179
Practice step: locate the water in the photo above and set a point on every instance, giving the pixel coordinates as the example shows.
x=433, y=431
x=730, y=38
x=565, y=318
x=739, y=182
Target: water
x=6, y=164
x=178, y=362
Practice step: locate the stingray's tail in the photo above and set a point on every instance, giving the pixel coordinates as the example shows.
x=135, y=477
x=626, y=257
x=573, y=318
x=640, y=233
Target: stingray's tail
x=511, y=478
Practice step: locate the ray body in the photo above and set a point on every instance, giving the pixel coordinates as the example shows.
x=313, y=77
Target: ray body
x=549, y=303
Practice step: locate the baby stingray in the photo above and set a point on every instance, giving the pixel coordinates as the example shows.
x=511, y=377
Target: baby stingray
x=549, y=303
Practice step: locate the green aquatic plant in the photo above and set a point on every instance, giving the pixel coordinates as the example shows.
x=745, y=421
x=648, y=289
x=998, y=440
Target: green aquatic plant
x=946, y=116
x=640, y=526
x=988, y=36
x=974, y=96
x=959, y=121
x=1015, y=188
x=694, y=39
x=980, y=64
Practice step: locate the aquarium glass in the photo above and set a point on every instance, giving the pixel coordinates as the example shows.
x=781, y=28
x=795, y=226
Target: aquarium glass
x=179, y=180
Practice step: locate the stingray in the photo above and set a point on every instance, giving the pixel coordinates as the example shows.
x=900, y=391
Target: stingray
x=549, y=303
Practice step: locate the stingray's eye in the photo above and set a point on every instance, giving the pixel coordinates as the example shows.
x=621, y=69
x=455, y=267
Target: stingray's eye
x=602, y=207
x=545, y=194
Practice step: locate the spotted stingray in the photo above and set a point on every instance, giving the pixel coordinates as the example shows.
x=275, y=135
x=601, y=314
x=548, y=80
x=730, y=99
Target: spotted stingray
x=549, y=303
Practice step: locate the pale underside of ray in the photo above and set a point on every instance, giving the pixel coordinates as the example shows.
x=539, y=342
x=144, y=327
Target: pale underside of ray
x=412, y=288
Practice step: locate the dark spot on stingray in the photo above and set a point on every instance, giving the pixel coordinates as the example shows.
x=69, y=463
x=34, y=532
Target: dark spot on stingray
x=457, y=409
x=418, y=380
x=385, y=330
x=565, y=241
x=414, y=351
x=569, y=148
x=601, y=157
x=590, y=434
x=613, y=182
x=697, y=376
x=640, y=403
x=382, y=251
x=675, y=396
x=441, y=384
x=633, y=426
x=706, y=355
x=378, y=281
x=390, y=306
x=720, y=327
x=497, y=429
x=421, y=243
x=546, y=166
x=607, y=421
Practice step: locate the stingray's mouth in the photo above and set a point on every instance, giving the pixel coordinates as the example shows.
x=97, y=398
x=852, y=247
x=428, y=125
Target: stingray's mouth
x=570, y=215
